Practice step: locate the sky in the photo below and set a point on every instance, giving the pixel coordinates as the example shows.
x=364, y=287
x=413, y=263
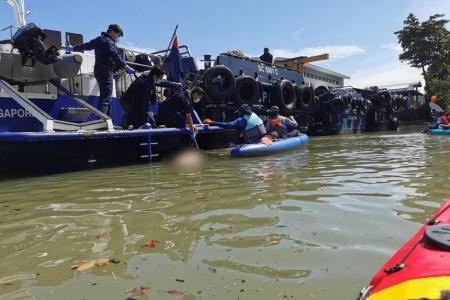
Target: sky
x=358, y=34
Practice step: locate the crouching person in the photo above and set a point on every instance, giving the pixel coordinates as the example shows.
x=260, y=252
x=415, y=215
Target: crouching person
x=280, y=127
x=137, y=99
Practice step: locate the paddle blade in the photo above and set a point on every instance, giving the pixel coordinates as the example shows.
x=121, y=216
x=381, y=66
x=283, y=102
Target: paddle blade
x=435, y=107
x=266, y=140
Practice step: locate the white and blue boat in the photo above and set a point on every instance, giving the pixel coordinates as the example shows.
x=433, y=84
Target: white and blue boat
x=48, y=116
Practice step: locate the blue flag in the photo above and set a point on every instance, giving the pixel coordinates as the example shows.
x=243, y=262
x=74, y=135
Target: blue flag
x=174, y=67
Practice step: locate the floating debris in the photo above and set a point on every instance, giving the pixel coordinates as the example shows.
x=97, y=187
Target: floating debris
x=139, y=291
x=151, y=244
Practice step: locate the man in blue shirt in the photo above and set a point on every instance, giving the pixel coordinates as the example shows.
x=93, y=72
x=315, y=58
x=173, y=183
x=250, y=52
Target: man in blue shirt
x=107, y=62
x=249, y=124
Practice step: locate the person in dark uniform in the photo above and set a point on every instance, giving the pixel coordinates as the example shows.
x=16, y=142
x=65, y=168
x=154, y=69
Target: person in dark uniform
x=176, y=111
x=107, y=62
x=267, y=56
x=139, y=96
x=198, y=102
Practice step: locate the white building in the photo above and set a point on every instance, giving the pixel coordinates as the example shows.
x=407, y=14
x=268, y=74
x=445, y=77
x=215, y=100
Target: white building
x=319, y=76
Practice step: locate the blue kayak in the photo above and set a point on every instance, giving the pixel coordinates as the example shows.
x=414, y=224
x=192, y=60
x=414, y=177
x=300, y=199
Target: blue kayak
x=439, y=131
x=276, y=146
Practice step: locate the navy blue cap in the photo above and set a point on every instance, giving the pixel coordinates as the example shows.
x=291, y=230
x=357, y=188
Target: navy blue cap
x=115, y=28
x=245, y=109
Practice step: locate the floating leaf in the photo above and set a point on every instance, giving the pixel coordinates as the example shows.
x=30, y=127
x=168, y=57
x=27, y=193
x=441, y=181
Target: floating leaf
x=86, y=266
x=151, y=244
x=102, y=262
x=139, y=291
x=98, y=263
x=173, y=292
x=7, y=284
x=102, y=235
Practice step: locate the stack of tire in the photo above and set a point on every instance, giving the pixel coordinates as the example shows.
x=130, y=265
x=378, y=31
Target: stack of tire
x=381, y=100
x=330, y=102
x=221, y=85
x=290, y=97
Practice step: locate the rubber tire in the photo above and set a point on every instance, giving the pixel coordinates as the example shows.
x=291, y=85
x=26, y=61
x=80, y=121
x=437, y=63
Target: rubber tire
x=384, y=98
x=285, y=96
x=364, y=106
x=308, y=97
x=299, y=94
x=323, y=93
x=337, y=105
x=246, y=91
x=347, y=100
x=212, y=89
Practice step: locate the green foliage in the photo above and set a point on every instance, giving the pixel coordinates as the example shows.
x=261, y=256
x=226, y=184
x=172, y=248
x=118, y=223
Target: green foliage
x=424, y=43
x=441, y=88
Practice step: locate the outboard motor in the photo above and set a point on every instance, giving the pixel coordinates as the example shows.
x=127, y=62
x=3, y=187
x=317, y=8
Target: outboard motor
x=29, y=40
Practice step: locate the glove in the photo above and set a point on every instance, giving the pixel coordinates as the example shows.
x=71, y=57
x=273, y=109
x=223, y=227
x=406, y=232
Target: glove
x=130, y=70
x=208, y=121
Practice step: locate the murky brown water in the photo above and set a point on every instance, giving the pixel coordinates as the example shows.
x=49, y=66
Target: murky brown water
x=315, y=224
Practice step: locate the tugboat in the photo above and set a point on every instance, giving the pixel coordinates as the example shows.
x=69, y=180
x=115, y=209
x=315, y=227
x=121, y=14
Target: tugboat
x=48, y=116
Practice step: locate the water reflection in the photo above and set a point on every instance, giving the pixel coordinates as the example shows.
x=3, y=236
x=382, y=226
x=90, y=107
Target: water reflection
x=314, y=224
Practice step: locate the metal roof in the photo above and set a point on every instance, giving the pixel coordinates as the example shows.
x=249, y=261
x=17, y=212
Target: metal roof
x=325, y=71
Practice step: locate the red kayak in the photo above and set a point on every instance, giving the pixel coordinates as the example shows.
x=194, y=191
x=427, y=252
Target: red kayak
x=420, y=270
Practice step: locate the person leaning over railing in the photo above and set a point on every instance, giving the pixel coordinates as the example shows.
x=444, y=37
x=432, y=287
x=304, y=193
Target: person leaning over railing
x=249, y=124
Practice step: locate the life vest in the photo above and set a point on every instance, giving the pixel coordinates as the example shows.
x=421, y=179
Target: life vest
x=278, y=121
x=278, y=125
x=255, y=128
x=444, y=120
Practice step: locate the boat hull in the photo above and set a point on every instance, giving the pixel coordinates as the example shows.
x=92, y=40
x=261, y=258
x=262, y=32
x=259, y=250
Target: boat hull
x=30, y=153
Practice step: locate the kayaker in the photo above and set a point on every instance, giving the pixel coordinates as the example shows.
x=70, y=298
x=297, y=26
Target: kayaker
x=441, y=121
x=139, y=96
x=176, y=110
x=280, y=127
x=248, y=124
x=107, y=62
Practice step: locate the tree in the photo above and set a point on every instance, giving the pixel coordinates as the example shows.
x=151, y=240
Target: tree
x=425, y=44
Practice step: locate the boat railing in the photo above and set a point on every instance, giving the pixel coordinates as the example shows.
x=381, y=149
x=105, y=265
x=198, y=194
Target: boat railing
x=51, y=124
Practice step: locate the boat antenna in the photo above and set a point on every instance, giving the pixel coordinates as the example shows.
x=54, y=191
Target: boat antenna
x=20, y=13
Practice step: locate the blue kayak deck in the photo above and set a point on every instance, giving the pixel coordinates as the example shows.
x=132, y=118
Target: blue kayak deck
x=439, y=131
x=275, y=147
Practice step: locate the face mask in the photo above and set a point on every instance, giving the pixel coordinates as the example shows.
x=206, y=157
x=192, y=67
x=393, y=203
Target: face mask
x=158, y=81
x=196, y=100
